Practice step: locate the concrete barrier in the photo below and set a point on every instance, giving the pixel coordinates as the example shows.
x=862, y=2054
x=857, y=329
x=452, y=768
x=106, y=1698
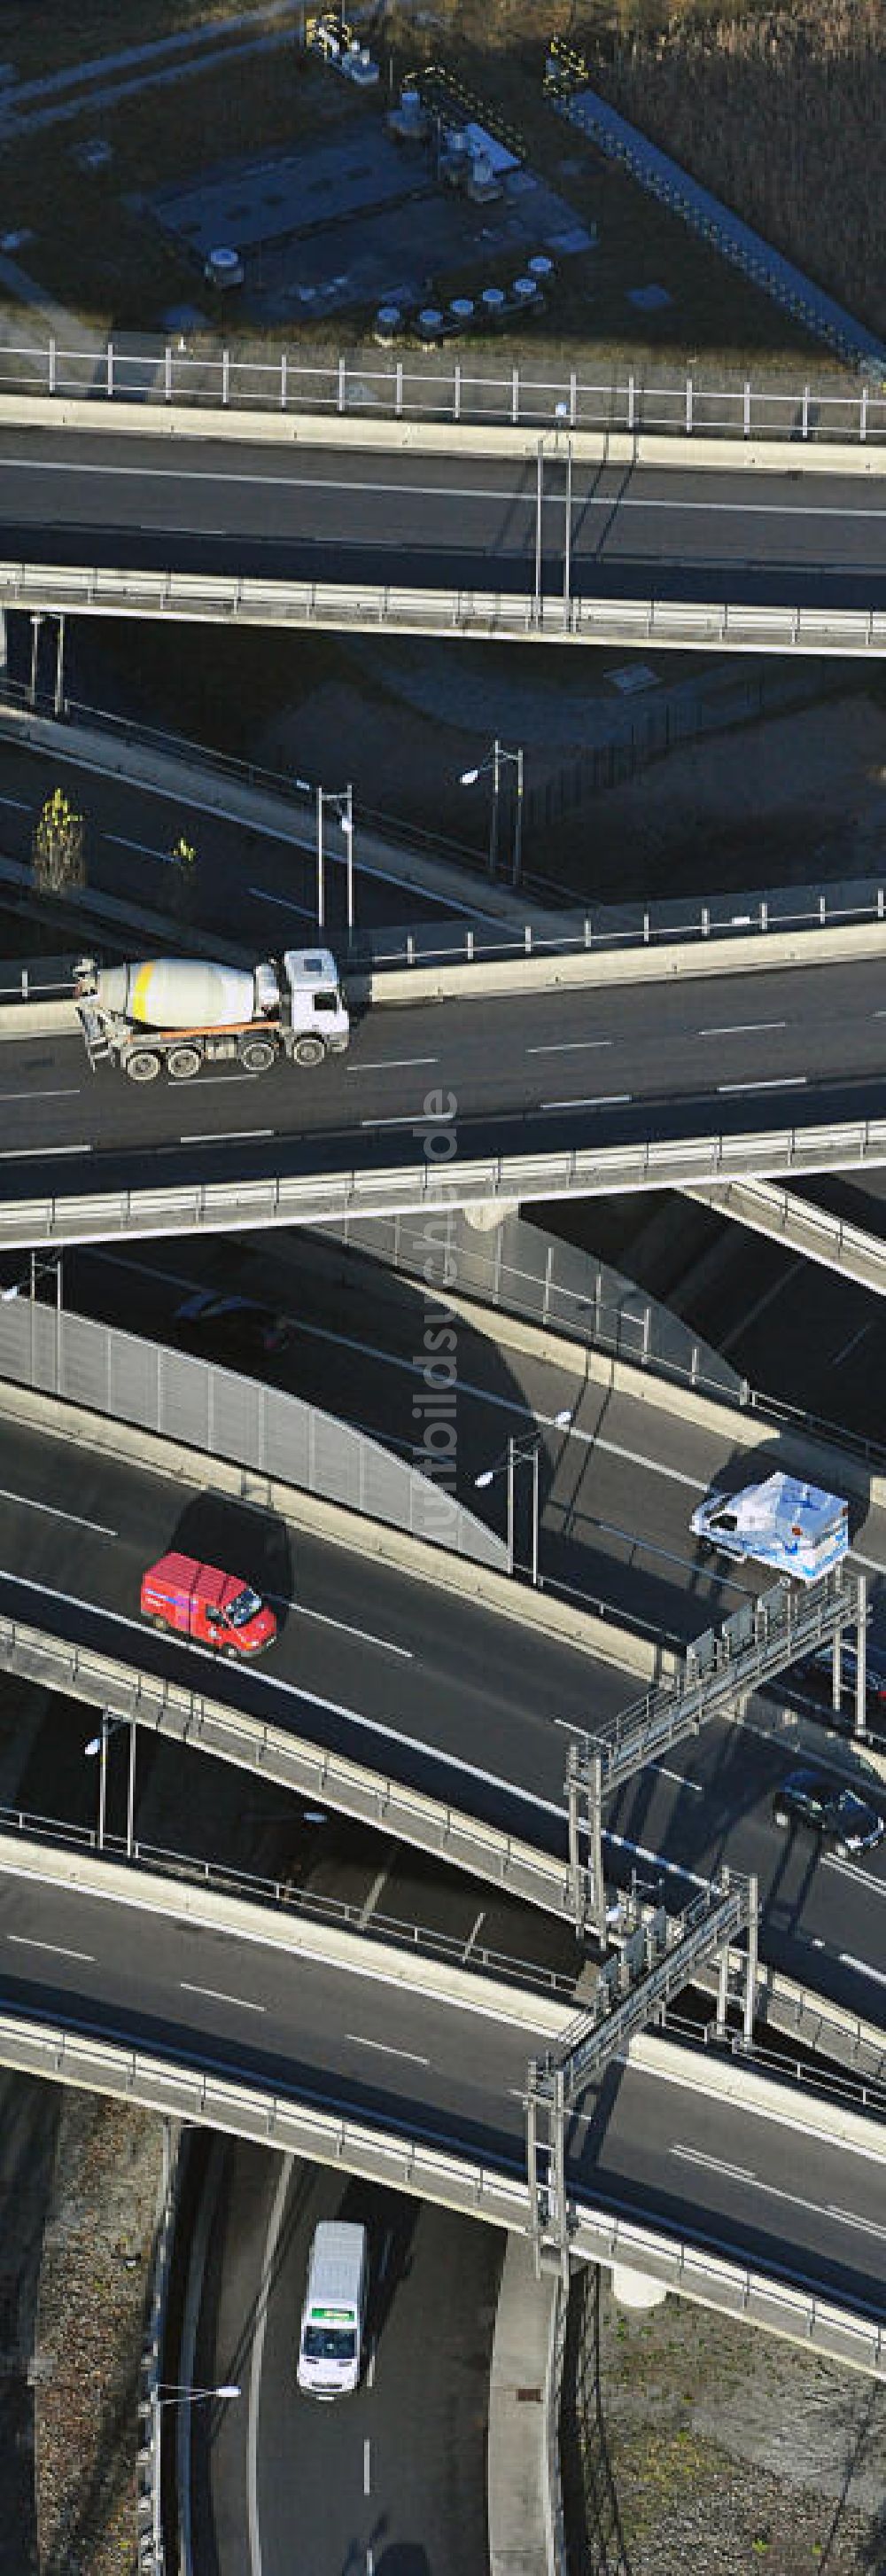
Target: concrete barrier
x=731, y=954
x=488, y=438
x=518, y=2500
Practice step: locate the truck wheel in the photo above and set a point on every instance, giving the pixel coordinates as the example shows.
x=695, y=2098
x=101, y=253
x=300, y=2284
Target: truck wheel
x=256, y=1054
x=183, y=1062
x=143, y=1067
x=309, y=1050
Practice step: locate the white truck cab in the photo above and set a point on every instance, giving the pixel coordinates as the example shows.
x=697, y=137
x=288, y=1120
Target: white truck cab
x=331, y=2341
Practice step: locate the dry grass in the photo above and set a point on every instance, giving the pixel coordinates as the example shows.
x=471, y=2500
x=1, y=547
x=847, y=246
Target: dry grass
x=709, y=86
x=780, y=112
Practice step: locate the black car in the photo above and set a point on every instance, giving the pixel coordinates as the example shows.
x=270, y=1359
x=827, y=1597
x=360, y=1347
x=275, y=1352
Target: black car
x=815, y=1675
x=829, y=1810
x=235, y=1326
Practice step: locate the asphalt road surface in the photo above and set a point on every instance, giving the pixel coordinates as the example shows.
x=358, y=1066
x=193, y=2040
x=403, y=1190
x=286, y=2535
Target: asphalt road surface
x=402, y=2058
x=314, y=514
x=394, y=2477
x=439, y=1692
x=131, y=830
x=531, y=1073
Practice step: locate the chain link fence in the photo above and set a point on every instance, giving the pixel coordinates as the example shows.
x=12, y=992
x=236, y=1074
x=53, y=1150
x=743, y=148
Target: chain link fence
x=521, y=1270
x=262, y=1429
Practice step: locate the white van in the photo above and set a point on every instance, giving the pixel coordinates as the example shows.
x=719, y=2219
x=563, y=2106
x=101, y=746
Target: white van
x=330, y=2348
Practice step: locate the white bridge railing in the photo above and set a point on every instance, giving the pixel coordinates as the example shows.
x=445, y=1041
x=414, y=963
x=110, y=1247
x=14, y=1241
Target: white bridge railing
x=226, y=599
x=205, y=375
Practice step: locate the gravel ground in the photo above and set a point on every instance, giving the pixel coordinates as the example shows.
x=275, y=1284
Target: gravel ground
x=96, y=2259
x=694, y=2443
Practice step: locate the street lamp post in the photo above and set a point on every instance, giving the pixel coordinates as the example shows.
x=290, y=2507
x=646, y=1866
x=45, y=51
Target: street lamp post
x=493, y=763
x=516, y=1454
x=342, y=801
x=172, y=2396
x=98, y=1744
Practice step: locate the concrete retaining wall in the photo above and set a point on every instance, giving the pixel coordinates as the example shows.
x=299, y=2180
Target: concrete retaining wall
x=518, y=2503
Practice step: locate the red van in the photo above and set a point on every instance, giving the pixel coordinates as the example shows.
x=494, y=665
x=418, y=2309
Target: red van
x=212, y=1608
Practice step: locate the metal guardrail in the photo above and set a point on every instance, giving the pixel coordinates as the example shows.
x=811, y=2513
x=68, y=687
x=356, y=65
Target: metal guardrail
x=644, y=402
x=223, y=1879
x=77, y=1216
x=63, y=2054
x=229, y=599
x=261, y=1428
x=150, y=2459
x=253, y=1743
x=783, y=1217
x=522, y=1271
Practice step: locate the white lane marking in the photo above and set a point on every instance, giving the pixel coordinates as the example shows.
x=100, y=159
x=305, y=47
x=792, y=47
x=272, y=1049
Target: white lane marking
x=775, y=1082
x=851, y=1345
x=367, y=2467
x=598, y=1100
x=71, y=1091
x=847, y=1960
x=768, y=1298
x=216, y=1996
x=323, y=1619
x=392, y=1064
x=15, y=1153
x=413, y=1118
x=334, y=485
x=370, y=2377
x=205, y=1080
x=743, y=1029
x=713, y=2164
x=773, y=2190
x=696, y=1786
x=384, y=2050
x=571, y=1046
x=853, y=1869
x=256, y=2359
x=229, y=1136
x=285, y=903
x=142, y=847
x=669, y=1868
x=20, y=803
x=24, y=1941
x=314, y=1699
x=28, y=1503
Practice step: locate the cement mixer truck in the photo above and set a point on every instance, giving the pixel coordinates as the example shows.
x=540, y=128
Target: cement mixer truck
x=174, y=1014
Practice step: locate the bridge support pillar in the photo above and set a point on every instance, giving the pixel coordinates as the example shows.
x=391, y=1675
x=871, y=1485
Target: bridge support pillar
x=488, y=1214
x=636, y=2289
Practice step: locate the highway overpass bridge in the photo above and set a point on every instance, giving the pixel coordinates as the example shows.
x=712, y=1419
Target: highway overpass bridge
x=437, y=1699
x=440, y=529
x=216, y=2011
x=531, y=1081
